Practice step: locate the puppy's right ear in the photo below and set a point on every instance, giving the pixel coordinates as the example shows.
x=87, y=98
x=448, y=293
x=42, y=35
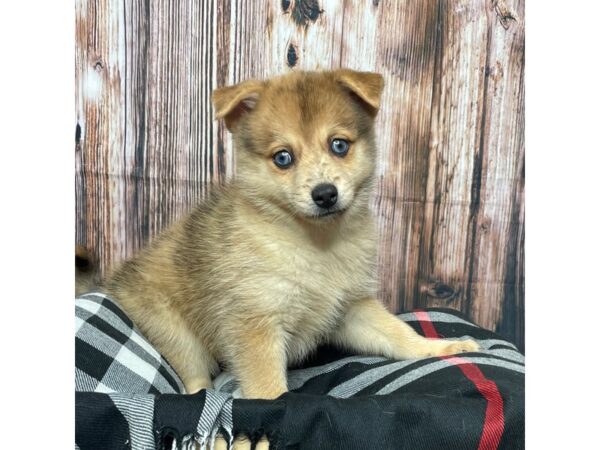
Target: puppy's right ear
x=232, y=102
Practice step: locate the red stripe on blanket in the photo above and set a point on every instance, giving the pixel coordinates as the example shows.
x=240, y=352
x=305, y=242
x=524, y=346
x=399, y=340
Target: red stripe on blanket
x=493, y=426
x=426, y=325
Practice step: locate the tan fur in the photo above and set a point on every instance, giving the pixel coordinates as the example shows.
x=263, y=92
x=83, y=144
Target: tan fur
x=253, y=278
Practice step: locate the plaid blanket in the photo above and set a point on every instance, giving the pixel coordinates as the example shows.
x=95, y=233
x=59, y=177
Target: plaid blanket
x=128, y=396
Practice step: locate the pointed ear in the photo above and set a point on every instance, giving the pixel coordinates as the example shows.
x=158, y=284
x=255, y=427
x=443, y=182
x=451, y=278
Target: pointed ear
x=366, y=87
x=232, y=102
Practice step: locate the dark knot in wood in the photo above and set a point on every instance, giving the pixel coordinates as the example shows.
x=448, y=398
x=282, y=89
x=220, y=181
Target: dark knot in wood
x=292, y=55
x=441, y=291
x=505, y=14
x=305, y=11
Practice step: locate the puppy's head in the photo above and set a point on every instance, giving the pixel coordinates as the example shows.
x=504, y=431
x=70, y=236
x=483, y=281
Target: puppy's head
x=304, y=141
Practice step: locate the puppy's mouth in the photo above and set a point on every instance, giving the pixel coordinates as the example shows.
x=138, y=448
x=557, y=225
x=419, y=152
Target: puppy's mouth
x=329, y=213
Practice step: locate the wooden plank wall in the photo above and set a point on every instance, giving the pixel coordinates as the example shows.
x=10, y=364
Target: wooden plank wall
x=450, y=202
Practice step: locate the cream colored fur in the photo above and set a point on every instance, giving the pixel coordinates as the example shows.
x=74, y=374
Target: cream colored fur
x=254, y=278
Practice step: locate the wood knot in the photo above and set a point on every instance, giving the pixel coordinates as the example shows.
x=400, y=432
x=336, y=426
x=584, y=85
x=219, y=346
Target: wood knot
x=495, y=72
x=99, y=66
x=485, y=224
x=285, y=6
x=505, y=14
x=292, y=55
x=305, y=11
x=441, y=291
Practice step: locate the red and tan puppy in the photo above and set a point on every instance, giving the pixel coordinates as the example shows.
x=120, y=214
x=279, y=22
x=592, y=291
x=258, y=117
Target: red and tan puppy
x=283, y=258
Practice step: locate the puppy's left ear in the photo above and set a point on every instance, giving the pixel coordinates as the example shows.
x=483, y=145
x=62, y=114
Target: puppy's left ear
x=366, y=87
x=233, y=102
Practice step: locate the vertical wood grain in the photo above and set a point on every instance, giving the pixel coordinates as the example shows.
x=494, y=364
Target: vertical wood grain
x=100, y=111
x=498, y=214
x=406, y=45
x=453, y=154
x=450, y=199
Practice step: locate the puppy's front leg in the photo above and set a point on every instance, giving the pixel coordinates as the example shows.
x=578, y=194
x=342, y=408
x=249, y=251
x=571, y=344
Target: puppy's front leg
x=370, y=329
x=258, y=358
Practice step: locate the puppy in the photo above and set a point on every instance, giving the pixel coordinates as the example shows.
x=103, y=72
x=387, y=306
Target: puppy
x=284, y=257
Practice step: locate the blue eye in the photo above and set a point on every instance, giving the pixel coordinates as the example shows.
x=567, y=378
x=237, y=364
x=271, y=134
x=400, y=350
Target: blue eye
x=340, y=147
x=283, y=159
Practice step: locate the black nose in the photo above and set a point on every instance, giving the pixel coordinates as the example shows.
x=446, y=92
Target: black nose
x=325, y=195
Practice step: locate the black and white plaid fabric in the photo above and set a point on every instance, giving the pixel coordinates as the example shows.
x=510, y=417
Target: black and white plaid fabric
x=113, y=356
x=129, y=397
x=125, y=390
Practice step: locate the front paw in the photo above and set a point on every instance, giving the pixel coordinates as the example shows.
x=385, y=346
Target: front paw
x=263, y=392
x=453, y=347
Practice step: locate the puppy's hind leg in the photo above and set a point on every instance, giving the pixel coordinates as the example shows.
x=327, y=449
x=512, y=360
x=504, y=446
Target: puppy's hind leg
x=194, y=365
x=187, y=354
x=370, y=329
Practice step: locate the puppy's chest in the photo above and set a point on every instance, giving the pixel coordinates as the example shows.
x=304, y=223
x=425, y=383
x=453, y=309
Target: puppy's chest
x=317, y=285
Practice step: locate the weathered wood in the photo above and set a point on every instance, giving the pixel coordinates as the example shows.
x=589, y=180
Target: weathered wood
x=453, y=154
x=99, y=110
x=450, y=204
x=406, y=48
x=497, y=212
